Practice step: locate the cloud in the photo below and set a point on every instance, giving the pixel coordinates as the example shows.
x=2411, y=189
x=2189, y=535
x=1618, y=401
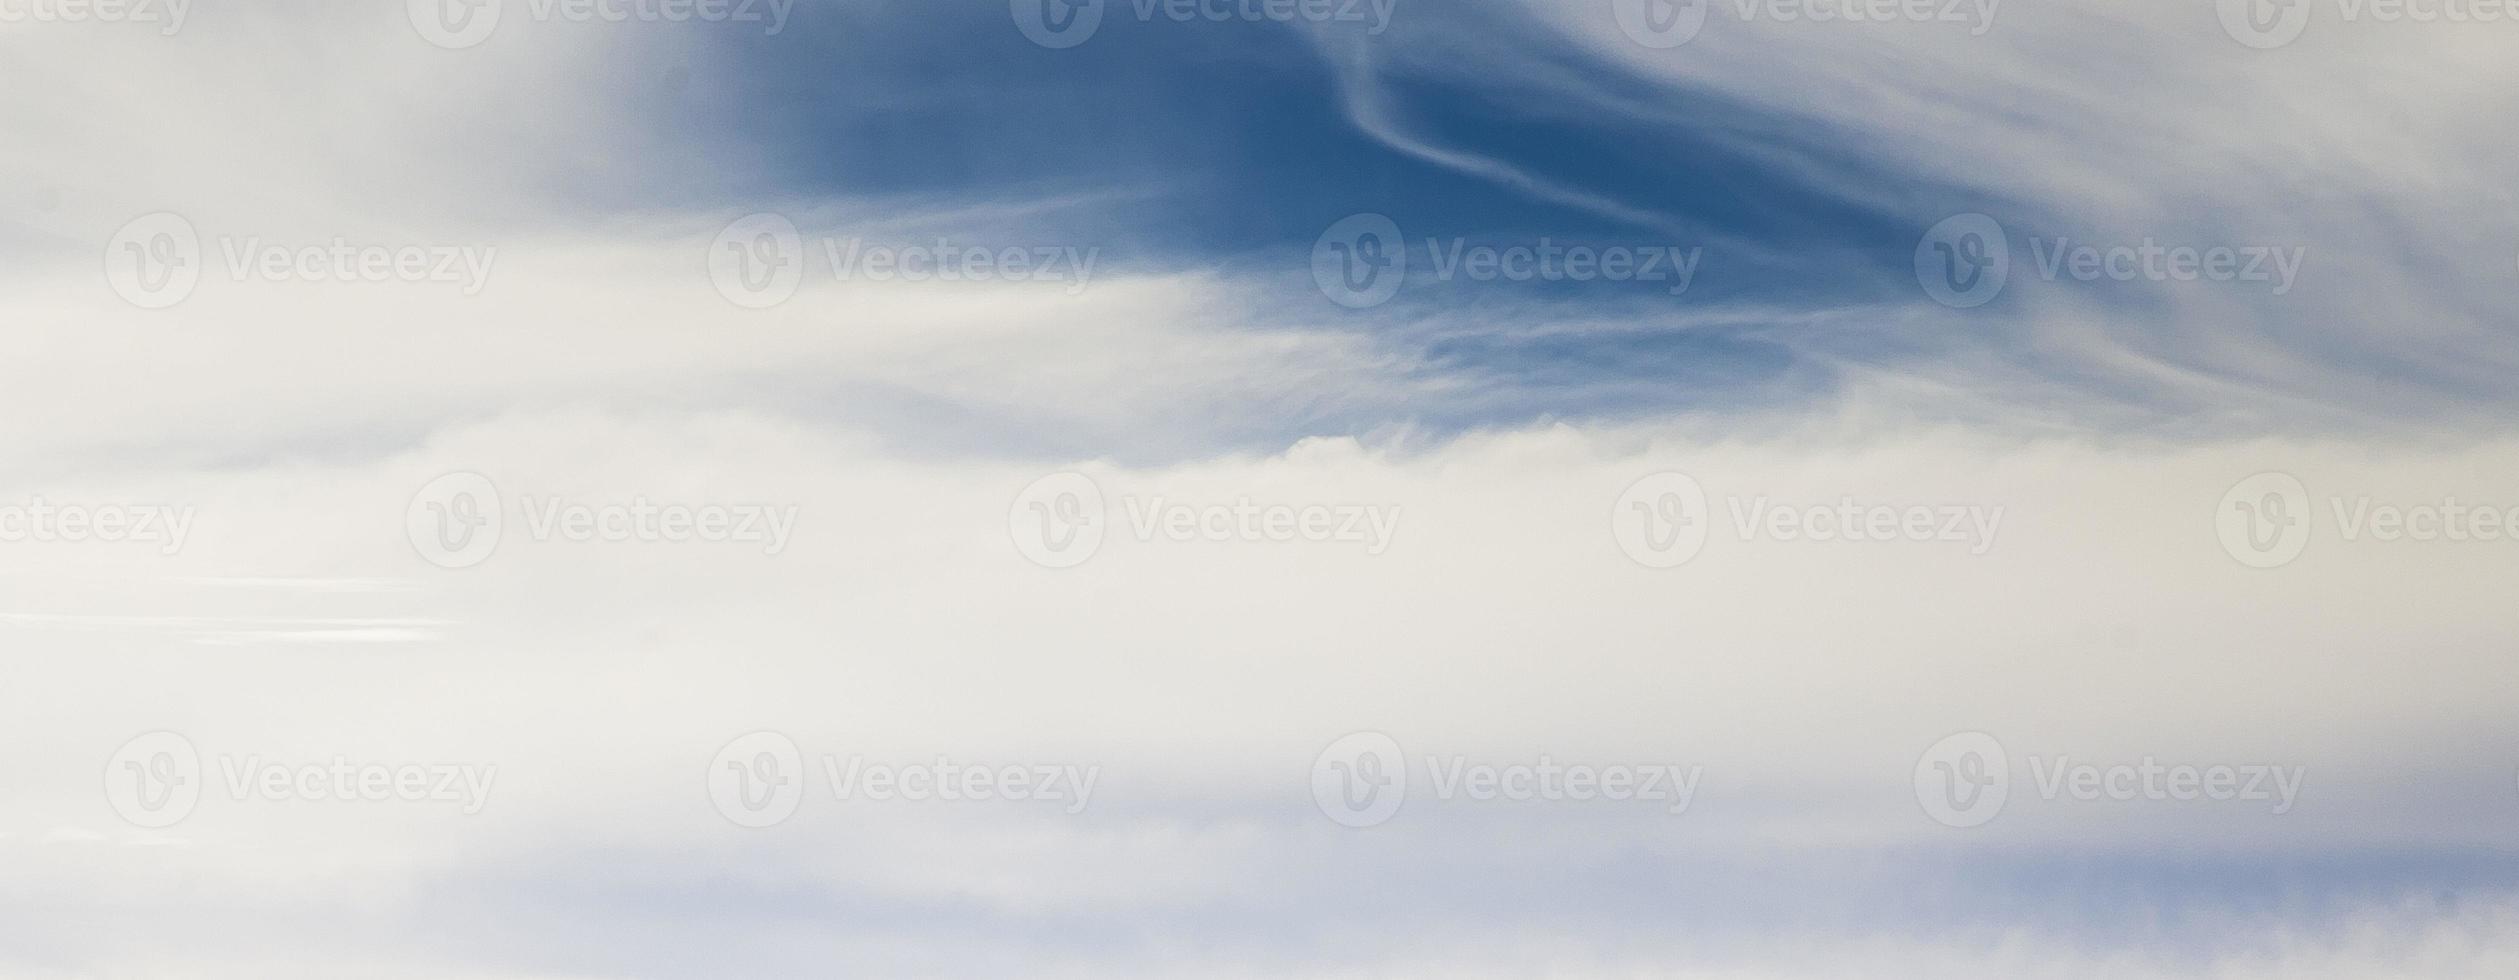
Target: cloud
x=1430, y=519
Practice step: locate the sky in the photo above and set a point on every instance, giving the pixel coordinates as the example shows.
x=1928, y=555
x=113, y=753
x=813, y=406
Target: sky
x=1732, y=489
